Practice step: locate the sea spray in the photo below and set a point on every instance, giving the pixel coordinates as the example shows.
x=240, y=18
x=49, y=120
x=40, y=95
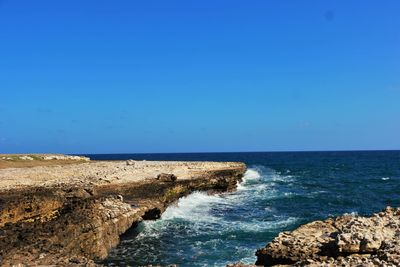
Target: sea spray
x=209, y=228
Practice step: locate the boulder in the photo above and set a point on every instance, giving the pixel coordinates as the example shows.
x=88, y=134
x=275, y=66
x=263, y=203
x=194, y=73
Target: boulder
x=130, y=162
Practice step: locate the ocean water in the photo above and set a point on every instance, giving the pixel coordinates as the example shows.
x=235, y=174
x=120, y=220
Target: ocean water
x=279, y=192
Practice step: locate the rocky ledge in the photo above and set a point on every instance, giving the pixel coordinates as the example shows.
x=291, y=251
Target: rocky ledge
x=74, y=214
x=344, y=241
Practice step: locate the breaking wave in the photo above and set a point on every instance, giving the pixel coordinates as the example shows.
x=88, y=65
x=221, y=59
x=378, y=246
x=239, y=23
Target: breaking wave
x=210, y=229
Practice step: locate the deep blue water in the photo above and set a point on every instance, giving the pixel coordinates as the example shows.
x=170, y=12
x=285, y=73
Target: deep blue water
x=280, y=191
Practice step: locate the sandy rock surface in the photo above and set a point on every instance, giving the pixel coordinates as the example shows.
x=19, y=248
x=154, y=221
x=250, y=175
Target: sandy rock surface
x=104, y=172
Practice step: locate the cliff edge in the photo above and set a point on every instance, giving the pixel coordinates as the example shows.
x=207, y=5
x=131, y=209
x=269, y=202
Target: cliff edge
x=74, y=214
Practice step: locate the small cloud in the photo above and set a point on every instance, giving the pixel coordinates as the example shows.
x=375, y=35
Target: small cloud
x=329, y=15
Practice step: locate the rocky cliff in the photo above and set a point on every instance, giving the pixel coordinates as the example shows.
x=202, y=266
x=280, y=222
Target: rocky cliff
x=344, y=241
x=74, y=214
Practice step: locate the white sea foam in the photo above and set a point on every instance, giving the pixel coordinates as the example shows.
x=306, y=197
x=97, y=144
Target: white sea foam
x=195, y=207
x=202, y=209
x=251, y=174
x=248, y=177
x=385, y=178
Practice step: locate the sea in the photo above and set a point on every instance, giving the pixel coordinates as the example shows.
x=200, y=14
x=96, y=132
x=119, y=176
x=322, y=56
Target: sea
x=279, y=192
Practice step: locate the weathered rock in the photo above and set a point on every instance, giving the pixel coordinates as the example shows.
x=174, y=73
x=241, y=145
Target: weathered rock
x=166, y=177
x=345, y=241
x=76, y=218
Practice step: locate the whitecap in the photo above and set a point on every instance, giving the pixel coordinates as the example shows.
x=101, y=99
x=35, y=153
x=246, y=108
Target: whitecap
x=385, y=178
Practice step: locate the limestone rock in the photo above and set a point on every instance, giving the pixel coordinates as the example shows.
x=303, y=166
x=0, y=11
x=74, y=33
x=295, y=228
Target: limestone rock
x=344, y=241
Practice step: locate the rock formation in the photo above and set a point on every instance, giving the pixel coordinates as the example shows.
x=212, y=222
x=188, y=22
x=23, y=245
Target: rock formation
x=74, y=214
x=344, y=241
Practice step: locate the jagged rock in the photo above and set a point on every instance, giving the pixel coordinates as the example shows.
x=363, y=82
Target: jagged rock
x=345, y=241
x=166, y=177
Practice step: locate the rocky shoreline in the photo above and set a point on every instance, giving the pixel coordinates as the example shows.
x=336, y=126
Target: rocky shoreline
x=347, y=240
x=74, y=214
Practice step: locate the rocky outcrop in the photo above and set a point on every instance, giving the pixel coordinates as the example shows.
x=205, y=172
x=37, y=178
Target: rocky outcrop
x=76, y=218
x=344, y=241
x=83, y=229
x=31, y=157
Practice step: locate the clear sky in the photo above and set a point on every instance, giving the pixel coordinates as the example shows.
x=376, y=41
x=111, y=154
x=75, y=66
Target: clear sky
x=194, y=76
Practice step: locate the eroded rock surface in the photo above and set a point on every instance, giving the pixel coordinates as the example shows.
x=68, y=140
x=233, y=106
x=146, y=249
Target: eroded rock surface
x=345, y=241
x=74, y=214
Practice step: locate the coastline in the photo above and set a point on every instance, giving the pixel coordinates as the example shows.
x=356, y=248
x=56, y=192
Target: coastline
x=74, y=214
x=61, y=213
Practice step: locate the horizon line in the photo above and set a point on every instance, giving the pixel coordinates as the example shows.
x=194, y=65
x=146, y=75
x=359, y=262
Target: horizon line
x=231, y=152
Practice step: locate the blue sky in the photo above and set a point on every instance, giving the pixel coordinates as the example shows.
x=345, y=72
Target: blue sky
x=195, y=76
